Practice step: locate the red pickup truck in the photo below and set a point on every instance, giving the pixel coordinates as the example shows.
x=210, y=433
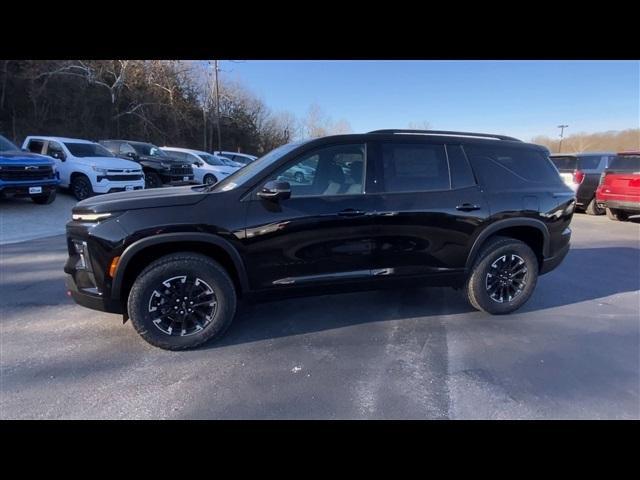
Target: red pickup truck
x=619, y=189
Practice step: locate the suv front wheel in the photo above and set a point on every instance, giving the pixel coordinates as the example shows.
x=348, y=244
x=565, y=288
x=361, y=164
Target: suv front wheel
x=503, y=276
x=181, y=301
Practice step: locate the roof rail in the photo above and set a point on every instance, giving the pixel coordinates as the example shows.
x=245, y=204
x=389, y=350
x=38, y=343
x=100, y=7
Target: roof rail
x=446, y=132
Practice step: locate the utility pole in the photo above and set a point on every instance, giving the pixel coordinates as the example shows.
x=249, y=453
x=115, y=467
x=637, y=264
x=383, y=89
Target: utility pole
x=218, y=105
x=561, y=127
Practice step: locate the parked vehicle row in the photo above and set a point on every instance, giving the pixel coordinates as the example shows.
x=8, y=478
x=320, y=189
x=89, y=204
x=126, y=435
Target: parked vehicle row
x=208, y=168
x=87, y=168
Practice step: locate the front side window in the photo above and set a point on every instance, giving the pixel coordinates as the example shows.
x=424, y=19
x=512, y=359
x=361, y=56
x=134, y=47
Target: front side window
x=126, y=149
x=414, y=168
x=335, y=170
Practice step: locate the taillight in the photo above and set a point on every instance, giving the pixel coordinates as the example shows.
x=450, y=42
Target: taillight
x=578, y=176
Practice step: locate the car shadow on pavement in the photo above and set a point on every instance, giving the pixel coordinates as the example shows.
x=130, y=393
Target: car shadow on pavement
x=586, y=274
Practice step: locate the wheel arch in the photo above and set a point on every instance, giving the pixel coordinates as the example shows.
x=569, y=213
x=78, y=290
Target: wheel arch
x=140, y=253
x=531, y=231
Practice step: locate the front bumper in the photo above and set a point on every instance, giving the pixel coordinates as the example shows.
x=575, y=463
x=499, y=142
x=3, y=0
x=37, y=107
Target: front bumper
x=551, y=263
x=93, y=300
x=109, y=186
x=21, y=189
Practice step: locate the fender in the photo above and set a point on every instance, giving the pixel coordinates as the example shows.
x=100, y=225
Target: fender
x=178, y=237
x=509, y=222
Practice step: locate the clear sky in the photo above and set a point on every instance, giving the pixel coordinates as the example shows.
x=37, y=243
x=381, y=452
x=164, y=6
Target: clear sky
x=518, y=98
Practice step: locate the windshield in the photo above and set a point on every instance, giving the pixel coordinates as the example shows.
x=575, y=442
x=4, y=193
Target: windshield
x=148, y=150
x=211, y=159
x=247, y=173
x=87, y=150
x=6, y=145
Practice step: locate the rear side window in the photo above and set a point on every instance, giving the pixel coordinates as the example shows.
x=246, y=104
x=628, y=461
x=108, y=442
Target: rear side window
x=461, y=173
x=414, y=168
x=590, y=162
x=565, y=163
x=626, y=162
x=499, y=164
x=35, y=146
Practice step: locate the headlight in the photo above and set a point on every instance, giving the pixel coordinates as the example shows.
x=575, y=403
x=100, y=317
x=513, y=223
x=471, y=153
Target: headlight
x=101, y=171
x=89, y=217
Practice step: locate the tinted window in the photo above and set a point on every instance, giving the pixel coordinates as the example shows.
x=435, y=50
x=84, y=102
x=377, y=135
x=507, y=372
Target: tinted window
x=6, y=145
x=35, y=146
x=497, y=164
x=148, y=149
x=111, y=146
x=414, y=167
x=87, y=150
x=461, y=173
x=590, y=162
x=565, y=163
x=626, y=162
x=336, y=170
x=176, y=155
x=126, y=148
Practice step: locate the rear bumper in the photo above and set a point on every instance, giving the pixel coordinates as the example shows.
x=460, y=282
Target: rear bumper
x=627, y=206
x=550, y=263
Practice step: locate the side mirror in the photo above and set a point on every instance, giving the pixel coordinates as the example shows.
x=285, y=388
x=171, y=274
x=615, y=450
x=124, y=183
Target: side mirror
x=131, y=155
x=198, y=164
x=275, y=190
x=58, y=155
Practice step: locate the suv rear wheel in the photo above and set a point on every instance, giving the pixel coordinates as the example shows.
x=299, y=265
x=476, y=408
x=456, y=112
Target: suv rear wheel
x=503, y=276
x=594, y=209
x=181, y=301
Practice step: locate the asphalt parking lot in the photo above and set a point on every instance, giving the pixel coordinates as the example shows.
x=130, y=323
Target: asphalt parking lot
x=571, y=352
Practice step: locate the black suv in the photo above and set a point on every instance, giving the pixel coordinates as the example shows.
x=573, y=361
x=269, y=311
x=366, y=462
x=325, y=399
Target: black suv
x=485, y=213
x=582, y=172
x=158, y=167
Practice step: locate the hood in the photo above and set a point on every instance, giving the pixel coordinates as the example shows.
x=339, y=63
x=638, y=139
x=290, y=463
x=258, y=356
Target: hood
x=20, y=157
x=158, y=160
x=112, y=163
x=151, y=198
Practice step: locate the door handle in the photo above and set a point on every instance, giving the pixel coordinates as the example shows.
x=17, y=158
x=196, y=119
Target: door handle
x=468, y=207
x=350, y=212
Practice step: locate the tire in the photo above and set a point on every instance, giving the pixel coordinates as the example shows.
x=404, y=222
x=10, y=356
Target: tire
x=617, y=215
x=179, y=331
x=152, y=180
x=45, y=199
x=299, y=177
x=81, y=187
x=593, y=208
x=210, y=179
x=498, y=252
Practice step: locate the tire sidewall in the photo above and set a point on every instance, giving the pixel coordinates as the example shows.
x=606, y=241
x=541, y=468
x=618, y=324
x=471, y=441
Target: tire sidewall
x=477, y=280
x=152, y=277
x=213, y=179
x=81, y=180
x=152, y=180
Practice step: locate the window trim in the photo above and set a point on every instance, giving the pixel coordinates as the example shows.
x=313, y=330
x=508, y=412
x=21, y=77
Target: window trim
x=253, y=196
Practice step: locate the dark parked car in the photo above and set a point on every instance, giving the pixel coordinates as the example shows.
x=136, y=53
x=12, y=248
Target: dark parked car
x=484, y=213
x=581, y=172
x=159, y=168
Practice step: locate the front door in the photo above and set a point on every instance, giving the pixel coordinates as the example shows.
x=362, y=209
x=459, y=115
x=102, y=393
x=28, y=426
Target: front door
x=324, y=233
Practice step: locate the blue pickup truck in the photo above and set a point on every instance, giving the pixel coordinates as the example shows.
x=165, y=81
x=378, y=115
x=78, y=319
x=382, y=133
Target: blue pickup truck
x=25, y=174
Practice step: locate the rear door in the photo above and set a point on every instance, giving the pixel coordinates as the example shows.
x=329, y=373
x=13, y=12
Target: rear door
x=430, y=208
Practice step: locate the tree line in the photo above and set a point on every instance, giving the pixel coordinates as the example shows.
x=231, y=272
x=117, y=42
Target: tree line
x=614, y=141
x=176, y=103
